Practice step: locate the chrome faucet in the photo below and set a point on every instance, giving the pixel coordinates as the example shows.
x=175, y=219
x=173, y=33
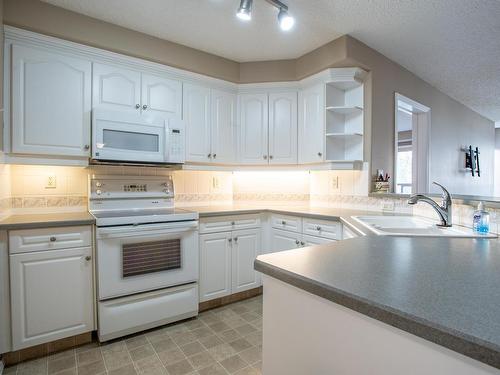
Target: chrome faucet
x=443, y=210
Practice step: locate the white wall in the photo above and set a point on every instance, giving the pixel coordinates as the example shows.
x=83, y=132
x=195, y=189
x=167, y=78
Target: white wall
x=496, y=192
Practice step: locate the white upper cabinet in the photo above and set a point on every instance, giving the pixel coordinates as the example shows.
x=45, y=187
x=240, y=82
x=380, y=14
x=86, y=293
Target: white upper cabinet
x=196, y=114
x=253, y=132
x=311, y=143
x=50, y=103
x=116, y=88
x=161, y=96
x=283, y=128
x=223, y=125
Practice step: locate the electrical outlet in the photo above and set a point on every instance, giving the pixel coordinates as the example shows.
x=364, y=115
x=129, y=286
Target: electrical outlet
x=215, y=182
x=335, y=182
x=51, y=182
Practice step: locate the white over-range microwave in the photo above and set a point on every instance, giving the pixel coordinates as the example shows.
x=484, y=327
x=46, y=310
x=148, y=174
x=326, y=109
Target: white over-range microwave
x=136, y=138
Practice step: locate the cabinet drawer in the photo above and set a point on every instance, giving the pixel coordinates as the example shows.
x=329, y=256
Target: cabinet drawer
x=322, y=228
x=228, y=223
x=28, y=240
x=285, y=222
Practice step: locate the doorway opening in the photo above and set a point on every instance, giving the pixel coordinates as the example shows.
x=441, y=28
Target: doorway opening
x=411, y=158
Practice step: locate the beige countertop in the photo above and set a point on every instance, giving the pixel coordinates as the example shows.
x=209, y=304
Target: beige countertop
x=28, y=221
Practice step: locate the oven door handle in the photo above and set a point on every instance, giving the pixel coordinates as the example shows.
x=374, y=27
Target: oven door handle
x=147, y=229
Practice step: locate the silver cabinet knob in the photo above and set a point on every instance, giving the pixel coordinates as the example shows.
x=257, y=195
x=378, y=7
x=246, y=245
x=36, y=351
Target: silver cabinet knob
x=270, y=156
x=86, y=147
x=233, y=222
x=230, y=239
x=320, y=154
x=302, y=243
x=297, y=242
x=98, y=184
x=137, y=106
x=145, y=106
x=318, y=228
x=88, y=258
x=52, y=239
x=209, y=156
x=283, y=222
x=235, y=239
x=265, y=157
x=215, y=155
x=98, y=192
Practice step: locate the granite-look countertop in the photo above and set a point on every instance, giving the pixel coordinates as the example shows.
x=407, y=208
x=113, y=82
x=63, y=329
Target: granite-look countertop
x=29, y=221
x=445, y=290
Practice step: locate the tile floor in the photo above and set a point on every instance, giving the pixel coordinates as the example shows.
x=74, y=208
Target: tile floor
x=226, y=340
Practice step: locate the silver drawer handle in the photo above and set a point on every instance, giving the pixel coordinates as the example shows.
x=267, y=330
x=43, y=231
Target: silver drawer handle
x=52, y=239
x=137, y=106
x=145, y=107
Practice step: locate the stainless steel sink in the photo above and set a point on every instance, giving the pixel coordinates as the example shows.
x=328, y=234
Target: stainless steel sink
x=414, y=226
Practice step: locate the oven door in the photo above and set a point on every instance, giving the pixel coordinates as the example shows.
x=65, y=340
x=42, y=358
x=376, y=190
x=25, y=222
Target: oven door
x=128, y=137
x=133, y=259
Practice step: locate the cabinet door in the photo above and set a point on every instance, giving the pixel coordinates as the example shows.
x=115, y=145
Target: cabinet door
x=311, y=143
x=246, y=246
x=161, y=96
x=215, y=265
x=51, y=295
x=116, y=88
x=253, y=132
x=51, y=96
x=223, y=127
x=283, y=128
x=283, y=240
x=196, y=114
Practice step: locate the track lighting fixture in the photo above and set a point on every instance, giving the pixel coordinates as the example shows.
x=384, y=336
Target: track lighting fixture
x=285, y=21
x=245, y=10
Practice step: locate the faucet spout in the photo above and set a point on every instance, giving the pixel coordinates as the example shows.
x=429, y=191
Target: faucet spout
x=443, y=210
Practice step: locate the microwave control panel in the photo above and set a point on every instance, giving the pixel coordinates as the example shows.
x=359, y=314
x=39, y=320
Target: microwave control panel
x=175, y=142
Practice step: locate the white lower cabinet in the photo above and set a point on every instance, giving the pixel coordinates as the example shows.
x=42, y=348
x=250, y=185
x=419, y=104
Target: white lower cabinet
x=215, y=265
x=51, y=295
x=284, y=240
x=246, y=246
x=226, y=260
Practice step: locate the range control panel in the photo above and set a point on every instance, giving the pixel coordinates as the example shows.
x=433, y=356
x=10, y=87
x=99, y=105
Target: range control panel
x=131, y=187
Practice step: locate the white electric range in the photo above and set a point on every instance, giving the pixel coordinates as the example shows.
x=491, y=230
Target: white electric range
x=147, y=254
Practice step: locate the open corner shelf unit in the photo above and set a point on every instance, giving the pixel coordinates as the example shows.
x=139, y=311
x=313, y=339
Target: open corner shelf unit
x=344, y=119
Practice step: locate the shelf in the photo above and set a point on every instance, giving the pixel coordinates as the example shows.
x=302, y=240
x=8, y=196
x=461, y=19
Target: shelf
x=345, y=85
x=345, y=110
x=344, y=134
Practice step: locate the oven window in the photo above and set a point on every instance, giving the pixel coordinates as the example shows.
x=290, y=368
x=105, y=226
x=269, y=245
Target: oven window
x=148, y=257
x=130, y=140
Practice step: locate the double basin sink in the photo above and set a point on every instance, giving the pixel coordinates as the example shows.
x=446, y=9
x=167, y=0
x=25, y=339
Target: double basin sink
x=415, y=227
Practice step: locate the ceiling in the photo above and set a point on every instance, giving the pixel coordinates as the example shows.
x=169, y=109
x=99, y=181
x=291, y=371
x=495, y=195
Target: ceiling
x=452, y=44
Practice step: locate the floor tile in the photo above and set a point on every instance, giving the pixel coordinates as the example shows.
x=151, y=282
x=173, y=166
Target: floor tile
x=180, y=368
x=233, y=364
x=240, y=345
x=202, y=332
x=163, y=345
x=125, y=370
x=33, y=367
x=229, y=335
x=201, y=360
x=182, y=338
x=215, y=369
x=116, y=359
x=61, y=364
x=254, y=338
x=89, y=356
x=251, y=355
x=219, y=327
x=245, y=329
x=221, y=352
x=150, y=366
x=192, y=348
x=142, y=352
x=171, y=356
x=248, y=371
x=211, y=341
x=93, y=368
x=136, y=341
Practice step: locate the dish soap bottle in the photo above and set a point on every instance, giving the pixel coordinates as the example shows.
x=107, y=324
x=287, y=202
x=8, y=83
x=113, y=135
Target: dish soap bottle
x=481, y=220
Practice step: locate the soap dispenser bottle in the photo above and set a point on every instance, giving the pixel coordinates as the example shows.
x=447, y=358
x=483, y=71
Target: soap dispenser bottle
x=481, y=220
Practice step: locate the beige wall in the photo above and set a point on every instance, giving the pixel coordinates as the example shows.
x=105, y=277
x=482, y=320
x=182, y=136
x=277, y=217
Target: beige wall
x=50, y=20
x=452, y=124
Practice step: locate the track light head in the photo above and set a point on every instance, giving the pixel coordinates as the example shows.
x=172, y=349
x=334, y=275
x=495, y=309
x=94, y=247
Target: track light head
x=245, y=10
x=285, y=20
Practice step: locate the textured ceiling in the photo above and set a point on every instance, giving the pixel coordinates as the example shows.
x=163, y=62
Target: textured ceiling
x=452, y=44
